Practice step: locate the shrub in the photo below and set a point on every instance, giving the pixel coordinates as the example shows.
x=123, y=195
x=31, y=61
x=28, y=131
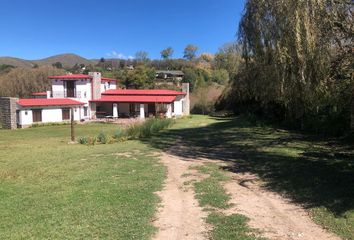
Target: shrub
x=103, y=138
x=83, y=140
x=147, y=128
x=91, y=140
x=133, y=131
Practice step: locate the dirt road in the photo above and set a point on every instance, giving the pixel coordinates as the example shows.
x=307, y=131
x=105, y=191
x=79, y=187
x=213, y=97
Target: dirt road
x=275, y=216
x=180, y=216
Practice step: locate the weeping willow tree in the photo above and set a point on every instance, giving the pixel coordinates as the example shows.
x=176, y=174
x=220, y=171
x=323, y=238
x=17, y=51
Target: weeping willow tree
x=298, y=58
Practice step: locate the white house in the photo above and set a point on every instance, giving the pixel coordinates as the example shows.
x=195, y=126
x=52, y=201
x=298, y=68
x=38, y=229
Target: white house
x=92, y=96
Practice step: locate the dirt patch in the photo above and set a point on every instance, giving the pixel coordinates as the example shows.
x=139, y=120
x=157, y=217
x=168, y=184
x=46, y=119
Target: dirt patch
x=275, y=216
x=180, y=216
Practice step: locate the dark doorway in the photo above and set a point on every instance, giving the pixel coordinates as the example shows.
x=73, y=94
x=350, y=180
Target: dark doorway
x=66, y=113
x=151, y=108
x=70, y=89
x=37, y=115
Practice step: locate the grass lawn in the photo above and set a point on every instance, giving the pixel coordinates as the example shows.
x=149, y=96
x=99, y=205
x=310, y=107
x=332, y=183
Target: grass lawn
x=53, y=190
x=317, y=173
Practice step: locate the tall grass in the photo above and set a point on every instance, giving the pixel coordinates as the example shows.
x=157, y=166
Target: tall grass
x=148, y=128
x=133, y=131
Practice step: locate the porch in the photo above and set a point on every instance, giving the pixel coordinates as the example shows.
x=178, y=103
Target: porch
x=115, y=110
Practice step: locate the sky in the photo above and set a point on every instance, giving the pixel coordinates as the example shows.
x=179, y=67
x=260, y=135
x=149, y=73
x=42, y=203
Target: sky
x=115, y=29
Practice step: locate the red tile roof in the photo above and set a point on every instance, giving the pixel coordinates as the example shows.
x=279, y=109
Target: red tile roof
x=136, y=99
x=35, y=102
x=39, y=94
x=149, y=92
x=80, y=76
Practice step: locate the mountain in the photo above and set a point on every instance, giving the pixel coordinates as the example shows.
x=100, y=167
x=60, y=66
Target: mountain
x=68, y=60
x=17, y=62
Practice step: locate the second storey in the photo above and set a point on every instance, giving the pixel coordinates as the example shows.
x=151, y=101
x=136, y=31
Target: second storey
x=80, y=86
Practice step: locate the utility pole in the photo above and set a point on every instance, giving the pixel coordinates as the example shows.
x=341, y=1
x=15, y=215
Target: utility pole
x=72, y=125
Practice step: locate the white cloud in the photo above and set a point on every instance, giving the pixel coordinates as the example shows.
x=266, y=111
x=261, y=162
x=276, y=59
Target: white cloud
x=115, y=54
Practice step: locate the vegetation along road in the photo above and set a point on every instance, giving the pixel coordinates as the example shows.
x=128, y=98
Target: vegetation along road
x=206, y=177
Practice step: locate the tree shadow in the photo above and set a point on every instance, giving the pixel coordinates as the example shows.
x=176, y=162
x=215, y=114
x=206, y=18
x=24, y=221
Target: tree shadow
x=311, y=171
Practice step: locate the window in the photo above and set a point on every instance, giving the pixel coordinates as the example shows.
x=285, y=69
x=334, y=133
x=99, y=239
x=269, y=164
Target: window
x=85, y=111
x=66, y=113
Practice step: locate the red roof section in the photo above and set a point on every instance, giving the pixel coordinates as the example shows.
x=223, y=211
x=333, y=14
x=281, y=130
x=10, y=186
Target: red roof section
x=35, y=102
x=80, y=76
x=39, y=94
x=136, y=99
x=145, y=92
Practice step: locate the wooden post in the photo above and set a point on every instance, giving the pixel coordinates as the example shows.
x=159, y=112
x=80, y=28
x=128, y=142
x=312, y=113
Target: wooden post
x=72, y=125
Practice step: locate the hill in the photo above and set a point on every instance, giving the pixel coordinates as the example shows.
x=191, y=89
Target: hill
x=17, y=62
x=68, y=60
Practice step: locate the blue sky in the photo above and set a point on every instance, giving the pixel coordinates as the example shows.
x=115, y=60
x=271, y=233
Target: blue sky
x=107, y=28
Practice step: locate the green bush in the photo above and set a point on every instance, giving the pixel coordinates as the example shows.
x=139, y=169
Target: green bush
x=83, y=140
x=133, y=131
x=103, y=138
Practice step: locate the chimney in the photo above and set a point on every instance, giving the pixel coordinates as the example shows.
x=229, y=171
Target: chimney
x=96, y=85
x=186, y=102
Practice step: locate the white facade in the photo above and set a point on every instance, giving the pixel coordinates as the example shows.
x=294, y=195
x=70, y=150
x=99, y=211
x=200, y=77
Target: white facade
x=81, y=90
x=25, y=117
x=49, y=115
x=177, y=106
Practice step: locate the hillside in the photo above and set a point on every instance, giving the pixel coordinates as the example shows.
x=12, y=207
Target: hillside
x=68, y=60
x=17, y=62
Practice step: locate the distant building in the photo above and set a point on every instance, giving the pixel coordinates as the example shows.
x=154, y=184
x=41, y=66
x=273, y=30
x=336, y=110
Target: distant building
x=171, y=77
x=92, y=96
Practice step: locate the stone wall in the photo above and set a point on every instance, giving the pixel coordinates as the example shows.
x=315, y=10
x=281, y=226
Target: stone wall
x=8, y=118
x=96, y=85
x=186, y=102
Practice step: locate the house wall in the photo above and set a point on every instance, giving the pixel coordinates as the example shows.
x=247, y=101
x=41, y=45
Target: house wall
x=51, y=115
x=107, y=86
x=83, y=89
x=25, y=117
x=48, y=115
x=178, y=110
x=58, y=88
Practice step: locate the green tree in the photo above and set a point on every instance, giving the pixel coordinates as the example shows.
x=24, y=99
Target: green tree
x=58, y=65
x=190, y=52
x=220, y=76
x=228, y=57
x=297, y=57
x=167, y=53
x=140, y=77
